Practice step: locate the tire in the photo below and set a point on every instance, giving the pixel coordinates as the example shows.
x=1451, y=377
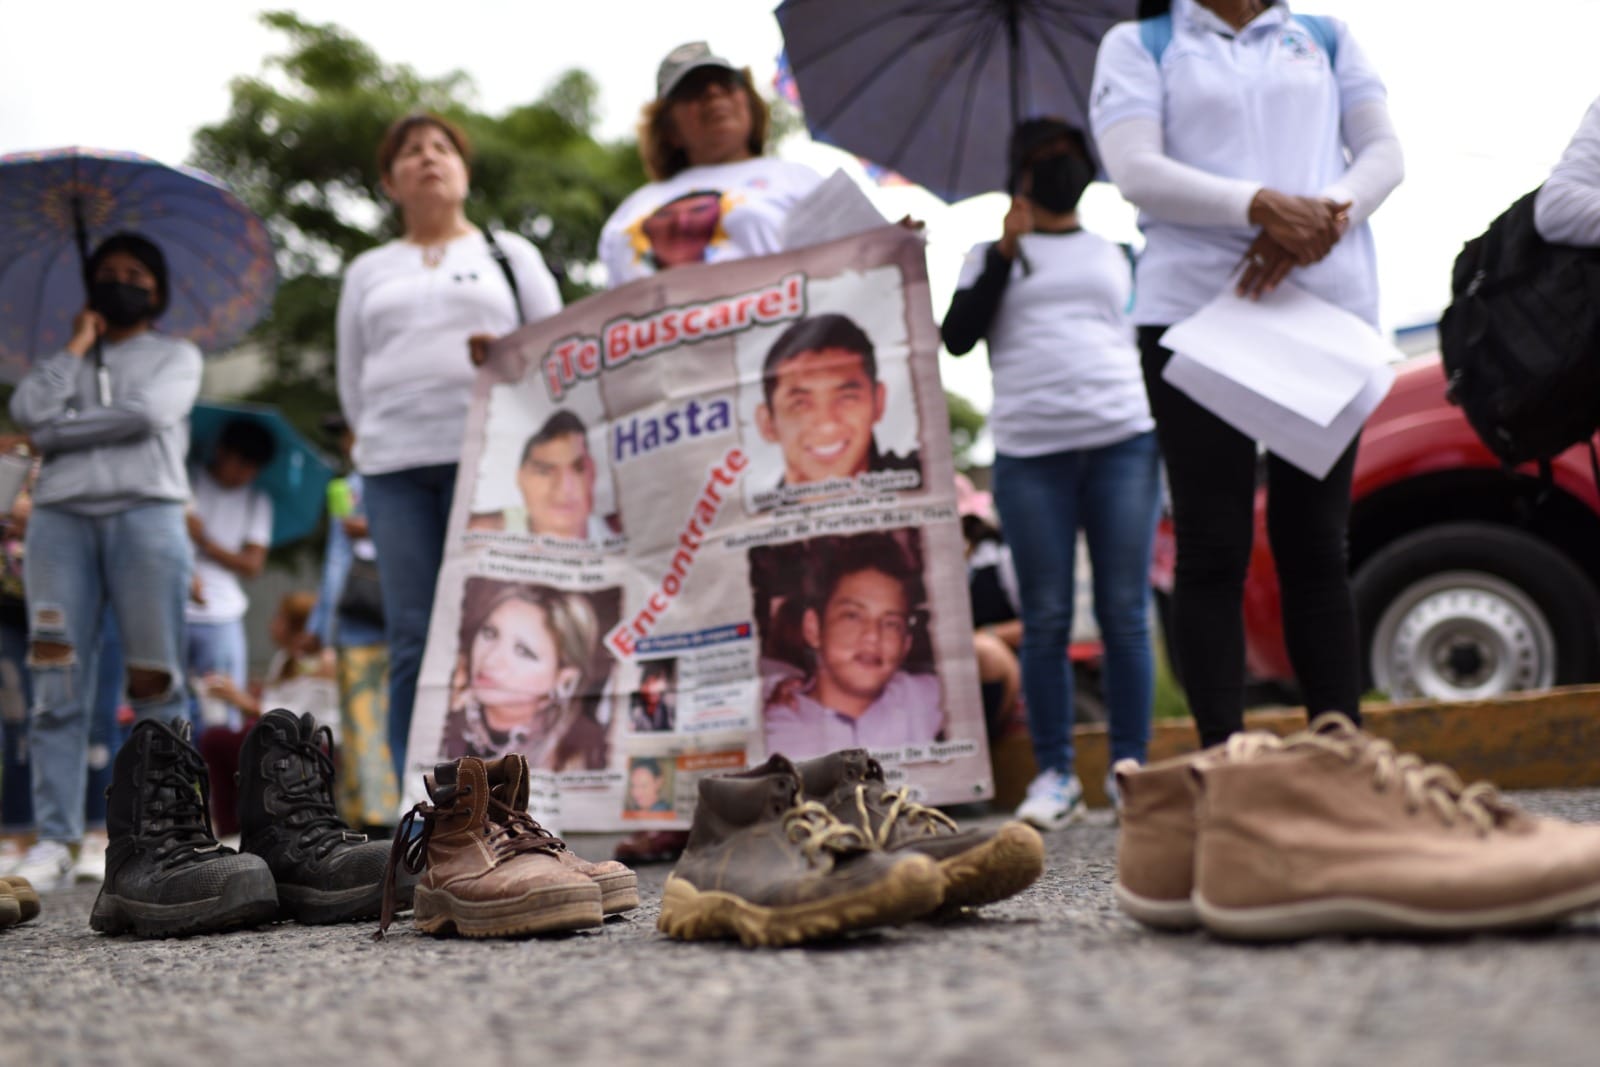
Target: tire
x=1471, y=611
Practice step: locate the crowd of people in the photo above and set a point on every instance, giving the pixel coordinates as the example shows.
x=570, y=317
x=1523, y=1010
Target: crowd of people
x=119, y=536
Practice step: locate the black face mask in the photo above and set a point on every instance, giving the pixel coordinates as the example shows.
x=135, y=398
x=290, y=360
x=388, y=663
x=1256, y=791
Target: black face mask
x=1059, y=181
x=120, y=303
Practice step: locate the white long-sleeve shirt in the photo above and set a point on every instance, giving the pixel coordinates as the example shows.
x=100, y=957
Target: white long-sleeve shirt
x=405, y=379
x=1567, y=207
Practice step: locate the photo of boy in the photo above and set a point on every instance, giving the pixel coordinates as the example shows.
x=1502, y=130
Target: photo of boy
x=654, y=705
x=556, y=481
x=649, y=789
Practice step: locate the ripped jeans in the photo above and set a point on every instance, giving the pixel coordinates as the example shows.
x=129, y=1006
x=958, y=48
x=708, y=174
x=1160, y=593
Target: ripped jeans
x=139, y=561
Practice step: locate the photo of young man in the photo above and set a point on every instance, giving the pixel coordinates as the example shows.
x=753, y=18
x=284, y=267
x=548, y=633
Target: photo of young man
x=555, y=479
x=821, y=400
x=653, y=706
x=861, y=617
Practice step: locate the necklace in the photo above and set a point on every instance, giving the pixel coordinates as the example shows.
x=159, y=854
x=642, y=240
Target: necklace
x=432, y=255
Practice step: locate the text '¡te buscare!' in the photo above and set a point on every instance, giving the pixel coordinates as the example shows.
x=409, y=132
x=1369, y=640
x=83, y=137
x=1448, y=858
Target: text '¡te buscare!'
x=573, y=359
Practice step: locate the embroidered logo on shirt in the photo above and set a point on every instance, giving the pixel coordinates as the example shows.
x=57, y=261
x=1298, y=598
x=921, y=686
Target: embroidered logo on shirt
x=1298, y=46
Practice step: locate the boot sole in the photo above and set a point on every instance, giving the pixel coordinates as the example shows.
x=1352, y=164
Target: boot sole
x=619, y=891
x=249, y=899
x=319, y=907
x=911, y=889
x=1356, y=915
x=1003, y=866
x=1160, y=914
x=549, y=909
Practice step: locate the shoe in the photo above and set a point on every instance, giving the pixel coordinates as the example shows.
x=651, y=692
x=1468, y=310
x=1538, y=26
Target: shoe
x=23, y=893
x=978, y=866
x=769, y=867
x=10, y=854
x=91, y=864
x=1053, y=801
x=166, y=873
x=47, y=866
x=10, y=909
x=1114, y=791
x=508, y=784
x=1155, y=841
x=325, y=871
x=651, y=846
x=1334, y=832
x=486, y=872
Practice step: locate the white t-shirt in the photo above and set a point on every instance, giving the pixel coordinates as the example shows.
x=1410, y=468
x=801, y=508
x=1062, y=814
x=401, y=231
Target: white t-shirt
x=1061, y=347
x=703, y=215
x=234, y=518
x=1260, y=105
x=405, y=380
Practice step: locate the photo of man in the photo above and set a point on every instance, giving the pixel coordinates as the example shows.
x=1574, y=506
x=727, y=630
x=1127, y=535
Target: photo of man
x=861, y=618
x=821, y=400
x=555, y=480
x=653, y=706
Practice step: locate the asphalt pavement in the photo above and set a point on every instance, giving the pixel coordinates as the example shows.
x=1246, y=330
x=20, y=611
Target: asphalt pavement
x=1055, y=975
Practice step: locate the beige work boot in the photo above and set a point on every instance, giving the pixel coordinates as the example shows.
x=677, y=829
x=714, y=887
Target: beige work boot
x=27, y=899
x=1333, y=832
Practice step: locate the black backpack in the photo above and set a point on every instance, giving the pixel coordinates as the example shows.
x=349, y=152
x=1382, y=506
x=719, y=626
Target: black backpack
x=1521, y=340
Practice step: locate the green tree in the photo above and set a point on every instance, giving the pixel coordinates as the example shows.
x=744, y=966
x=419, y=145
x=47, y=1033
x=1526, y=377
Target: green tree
x=299, y=144
x=966, y=423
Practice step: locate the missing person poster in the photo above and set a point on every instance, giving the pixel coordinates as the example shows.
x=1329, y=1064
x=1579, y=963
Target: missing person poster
x=702, y=518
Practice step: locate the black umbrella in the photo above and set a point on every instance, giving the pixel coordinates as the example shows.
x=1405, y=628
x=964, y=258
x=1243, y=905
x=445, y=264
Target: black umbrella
x=931, y=88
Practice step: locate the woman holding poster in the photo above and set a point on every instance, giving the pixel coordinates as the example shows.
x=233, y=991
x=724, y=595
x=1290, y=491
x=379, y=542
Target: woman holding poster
x=408, y=311
x=713, y=196
x=1255, y=142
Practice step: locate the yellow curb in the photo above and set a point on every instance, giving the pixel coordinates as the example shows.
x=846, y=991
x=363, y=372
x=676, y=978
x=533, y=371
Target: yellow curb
x=1524, y=741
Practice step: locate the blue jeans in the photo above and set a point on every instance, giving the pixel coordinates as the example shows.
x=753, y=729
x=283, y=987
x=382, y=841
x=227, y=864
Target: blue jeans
x=138, y=561
x=408, y=512
x=1113, y=494
x=216, y=648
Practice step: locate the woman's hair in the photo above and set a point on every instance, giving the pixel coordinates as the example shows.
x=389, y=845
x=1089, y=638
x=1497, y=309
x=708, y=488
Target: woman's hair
x=296, y=609
x=570, y=617
x=394, y=138
x=663, y=157
x=145, y=251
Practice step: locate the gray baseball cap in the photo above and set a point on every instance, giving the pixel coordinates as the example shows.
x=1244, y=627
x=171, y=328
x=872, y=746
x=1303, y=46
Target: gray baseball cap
x=682, y=61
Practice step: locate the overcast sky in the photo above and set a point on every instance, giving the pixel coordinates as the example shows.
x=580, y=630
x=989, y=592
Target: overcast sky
x=1485, y=97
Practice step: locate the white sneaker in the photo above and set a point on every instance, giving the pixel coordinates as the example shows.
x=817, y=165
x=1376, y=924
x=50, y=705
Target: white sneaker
x=10, y=855
x=91, y=865
x=1054, y=800
x=1113, y=791
x=47, y=866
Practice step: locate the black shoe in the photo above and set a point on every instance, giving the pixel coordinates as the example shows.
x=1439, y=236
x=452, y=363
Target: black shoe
x=166, y=875
x=326, y=872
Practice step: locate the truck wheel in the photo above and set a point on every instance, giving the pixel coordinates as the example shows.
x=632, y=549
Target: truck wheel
x=1471, y=610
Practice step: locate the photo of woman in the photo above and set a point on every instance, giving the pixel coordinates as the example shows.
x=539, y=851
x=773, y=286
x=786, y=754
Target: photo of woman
x=527, y=667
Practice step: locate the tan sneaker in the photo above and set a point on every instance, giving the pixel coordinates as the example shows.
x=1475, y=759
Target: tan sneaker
x=485, y=871
x=27, y=899
x=1155, y=842
x=1334, y=832
x=10, y=910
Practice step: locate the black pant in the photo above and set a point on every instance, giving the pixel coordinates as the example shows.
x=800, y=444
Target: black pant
x=1211, y=472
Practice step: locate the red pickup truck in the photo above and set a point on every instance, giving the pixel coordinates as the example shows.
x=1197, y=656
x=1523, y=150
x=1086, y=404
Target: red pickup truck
x=1470, y=581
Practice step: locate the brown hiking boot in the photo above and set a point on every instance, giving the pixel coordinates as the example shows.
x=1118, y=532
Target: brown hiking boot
x=771, y=868
x=10, y=910
x=978, y=866
x=508, y=783
x=485, y=871
x=1333, y=832
x=27, y=899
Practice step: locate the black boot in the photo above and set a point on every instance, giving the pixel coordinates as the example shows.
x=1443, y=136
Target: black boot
x=166, y=875
x=326, y=872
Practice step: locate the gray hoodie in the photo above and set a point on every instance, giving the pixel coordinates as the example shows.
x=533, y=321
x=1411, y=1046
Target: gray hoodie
x=102, y=460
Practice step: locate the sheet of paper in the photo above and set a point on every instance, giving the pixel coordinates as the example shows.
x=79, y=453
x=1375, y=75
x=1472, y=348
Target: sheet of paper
x=1290, y=348
x=836, y=208
x=1312, y=447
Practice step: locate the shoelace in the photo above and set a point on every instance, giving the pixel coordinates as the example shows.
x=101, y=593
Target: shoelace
x=174, y=812
x=900, y=804
x=815, y=829
x=510, y=832
x=311, y=809
x=1425, y=784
